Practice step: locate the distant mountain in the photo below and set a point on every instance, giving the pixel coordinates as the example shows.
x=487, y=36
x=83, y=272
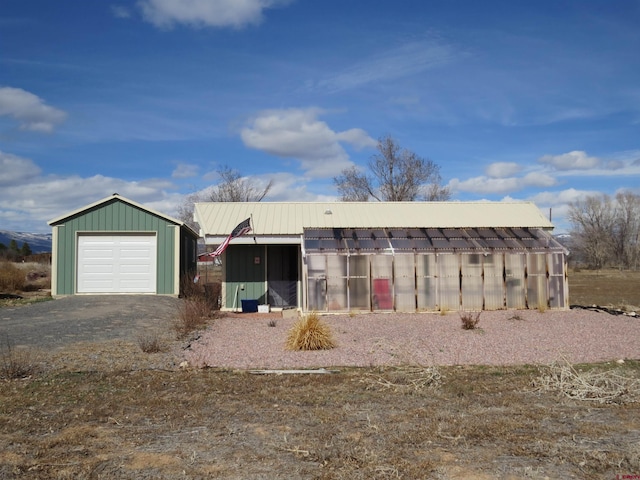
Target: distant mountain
x=38, y=242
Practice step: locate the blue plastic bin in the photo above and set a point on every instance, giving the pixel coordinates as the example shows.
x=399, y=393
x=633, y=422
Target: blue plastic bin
x=249, y=306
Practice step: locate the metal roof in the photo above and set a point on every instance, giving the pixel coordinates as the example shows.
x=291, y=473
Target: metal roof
x=291, y=218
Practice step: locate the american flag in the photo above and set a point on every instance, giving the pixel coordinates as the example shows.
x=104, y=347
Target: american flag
x=241, y=229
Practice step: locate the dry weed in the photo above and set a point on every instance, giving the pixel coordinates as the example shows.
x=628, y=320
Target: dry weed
x=149, y=342
x=469, y=321
x=16, y=363
x=310, y=333
x=405, y=379
x=597, y=386
x=193, y=313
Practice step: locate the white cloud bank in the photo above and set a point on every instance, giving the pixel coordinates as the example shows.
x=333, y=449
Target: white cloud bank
x=299, y=134
x=29, y=110
x=206, y=13
x=575, y=160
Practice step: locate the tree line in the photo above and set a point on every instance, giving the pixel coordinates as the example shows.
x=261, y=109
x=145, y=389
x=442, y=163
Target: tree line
x=606, y=231
x=13, y=252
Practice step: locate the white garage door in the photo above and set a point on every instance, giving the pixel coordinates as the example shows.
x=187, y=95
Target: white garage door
x=116, y=264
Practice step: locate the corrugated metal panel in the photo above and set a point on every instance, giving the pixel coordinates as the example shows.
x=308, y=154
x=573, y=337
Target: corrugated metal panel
x=290, y=218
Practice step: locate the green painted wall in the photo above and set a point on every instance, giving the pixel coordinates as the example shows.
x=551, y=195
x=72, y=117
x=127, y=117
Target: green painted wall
x=241, y=269
x=118, y=217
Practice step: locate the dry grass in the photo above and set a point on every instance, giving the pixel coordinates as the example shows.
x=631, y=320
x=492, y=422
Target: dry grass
x=609, y=386
x=310, y=333
x=12, y=278
x=409, y=422
x=612, y=288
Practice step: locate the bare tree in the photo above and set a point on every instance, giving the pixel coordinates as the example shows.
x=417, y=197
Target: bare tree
x=606, y=232
x=627, y=229
x=395, y=175
x=232, y=187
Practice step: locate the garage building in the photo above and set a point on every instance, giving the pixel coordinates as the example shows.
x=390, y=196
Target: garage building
x=117, y=246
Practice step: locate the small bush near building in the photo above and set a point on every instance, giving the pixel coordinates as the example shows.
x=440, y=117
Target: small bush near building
x=310, y=333
x=192, y=315
x=469, y=321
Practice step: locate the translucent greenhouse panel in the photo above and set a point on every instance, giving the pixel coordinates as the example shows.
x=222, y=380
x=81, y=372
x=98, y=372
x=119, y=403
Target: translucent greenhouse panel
x=405, y=283
x=537, y=280
x=471, y=267
x=336, y=294
x=359, y=293
x=336, y=283
x=316, y=283
x=514, y=272
x=382, y=282
x=448, y=282
x=493, y=282
x=556, y=281
x=359, y=282
x=426, y=282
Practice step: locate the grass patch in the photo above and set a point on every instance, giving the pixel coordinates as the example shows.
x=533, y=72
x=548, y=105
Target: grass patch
x=310, y=333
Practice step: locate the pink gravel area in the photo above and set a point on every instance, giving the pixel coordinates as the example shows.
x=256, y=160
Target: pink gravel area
x=504, y=337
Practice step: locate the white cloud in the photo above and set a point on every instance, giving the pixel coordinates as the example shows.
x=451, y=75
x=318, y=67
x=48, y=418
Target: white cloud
x=30, y=110
x=503, y=169
x=29, y=202
x=575, y=160
x=405, y=60
x=185, y=170
x=119, y=11
x=299, y=134
x=484, y=185
x=15, y=170
x=206, y=13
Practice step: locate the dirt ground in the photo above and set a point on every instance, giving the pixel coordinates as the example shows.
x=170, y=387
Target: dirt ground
x=107, y=410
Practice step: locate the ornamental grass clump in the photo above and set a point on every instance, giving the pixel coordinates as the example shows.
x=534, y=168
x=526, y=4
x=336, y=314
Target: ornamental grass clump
x=310, y=333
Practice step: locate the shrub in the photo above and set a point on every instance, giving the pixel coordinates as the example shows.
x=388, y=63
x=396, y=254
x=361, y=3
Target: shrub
x=16, y=363
x=150, y=343
x=12, y=278
x=192, y=315
x=469, y=321
x=310, y=333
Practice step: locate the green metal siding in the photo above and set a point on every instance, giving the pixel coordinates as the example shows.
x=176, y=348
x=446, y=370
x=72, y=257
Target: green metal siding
x=113, y=218
x=242, y=269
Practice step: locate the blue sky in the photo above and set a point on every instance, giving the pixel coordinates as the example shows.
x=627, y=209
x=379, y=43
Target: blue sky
x=534, y=101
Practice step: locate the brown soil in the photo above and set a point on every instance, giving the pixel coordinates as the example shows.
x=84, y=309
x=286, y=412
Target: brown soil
x=108, y=410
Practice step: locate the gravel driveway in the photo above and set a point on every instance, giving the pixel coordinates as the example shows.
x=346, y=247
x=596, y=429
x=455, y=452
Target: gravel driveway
x=85, y=318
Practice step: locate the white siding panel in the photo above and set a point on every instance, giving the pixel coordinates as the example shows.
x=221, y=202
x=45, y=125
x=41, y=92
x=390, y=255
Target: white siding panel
x=117, y=264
